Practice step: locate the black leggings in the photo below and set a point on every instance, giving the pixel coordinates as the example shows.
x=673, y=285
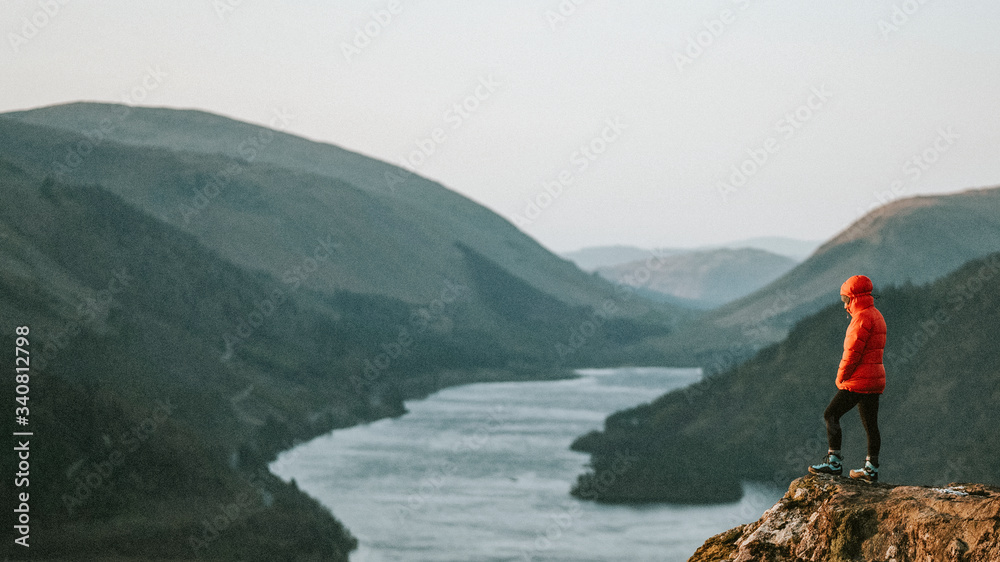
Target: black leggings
x=867, y=405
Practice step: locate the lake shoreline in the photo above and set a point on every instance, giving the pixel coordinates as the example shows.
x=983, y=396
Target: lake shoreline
x=485, y=468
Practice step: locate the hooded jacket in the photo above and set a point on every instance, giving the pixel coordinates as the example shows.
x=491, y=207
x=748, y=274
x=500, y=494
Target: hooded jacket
x=861, y=367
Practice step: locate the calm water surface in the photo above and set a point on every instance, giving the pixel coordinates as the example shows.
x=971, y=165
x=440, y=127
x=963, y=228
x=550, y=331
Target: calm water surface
x=483, y=472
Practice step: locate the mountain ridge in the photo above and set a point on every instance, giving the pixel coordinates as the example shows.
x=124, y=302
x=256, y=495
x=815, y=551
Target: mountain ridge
x=705, y=278
x=442, y=213
x=593, y=257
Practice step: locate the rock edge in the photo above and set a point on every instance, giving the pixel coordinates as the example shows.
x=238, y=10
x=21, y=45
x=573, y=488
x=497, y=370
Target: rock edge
x=828, y=518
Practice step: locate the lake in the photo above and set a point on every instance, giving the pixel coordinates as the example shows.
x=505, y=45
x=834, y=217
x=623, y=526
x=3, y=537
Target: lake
x=483, y=472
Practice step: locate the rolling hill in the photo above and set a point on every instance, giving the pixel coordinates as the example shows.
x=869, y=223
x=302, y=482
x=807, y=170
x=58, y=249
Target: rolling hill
x=705, y=279
x=593, y=258
x=207, y=174
x=793, y=248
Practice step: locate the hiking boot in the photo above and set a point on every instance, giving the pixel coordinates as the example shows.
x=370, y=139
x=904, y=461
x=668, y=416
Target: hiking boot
x=869, y=473
x=832, y=465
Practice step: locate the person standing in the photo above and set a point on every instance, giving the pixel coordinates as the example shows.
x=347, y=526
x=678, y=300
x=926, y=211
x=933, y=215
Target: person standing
x=860, y=379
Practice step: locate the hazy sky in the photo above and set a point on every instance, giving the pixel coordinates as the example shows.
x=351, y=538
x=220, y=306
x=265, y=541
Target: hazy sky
x=647, y=111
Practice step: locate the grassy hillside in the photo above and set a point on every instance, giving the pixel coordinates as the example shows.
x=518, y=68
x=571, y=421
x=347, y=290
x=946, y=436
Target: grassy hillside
x=284, y=213
x=142, y=433
x=763, y=420
x=913, y=240
x=259, y=196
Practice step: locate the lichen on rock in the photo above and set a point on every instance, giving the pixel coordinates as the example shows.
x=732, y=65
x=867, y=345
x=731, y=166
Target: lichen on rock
x=826, y=518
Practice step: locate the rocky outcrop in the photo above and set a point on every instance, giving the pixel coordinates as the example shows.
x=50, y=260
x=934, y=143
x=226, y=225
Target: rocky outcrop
x=825, y=518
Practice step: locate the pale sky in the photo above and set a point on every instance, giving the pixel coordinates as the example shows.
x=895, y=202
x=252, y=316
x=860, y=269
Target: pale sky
x=644, y=109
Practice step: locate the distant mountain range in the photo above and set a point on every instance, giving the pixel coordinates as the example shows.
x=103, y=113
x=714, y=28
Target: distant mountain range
x=593, y=258
x=203, y=293
x=702, y=279
x=763, y=419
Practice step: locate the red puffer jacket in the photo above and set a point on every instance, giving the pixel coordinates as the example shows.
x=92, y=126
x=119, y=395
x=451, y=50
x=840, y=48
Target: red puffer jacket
x=861, y=367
